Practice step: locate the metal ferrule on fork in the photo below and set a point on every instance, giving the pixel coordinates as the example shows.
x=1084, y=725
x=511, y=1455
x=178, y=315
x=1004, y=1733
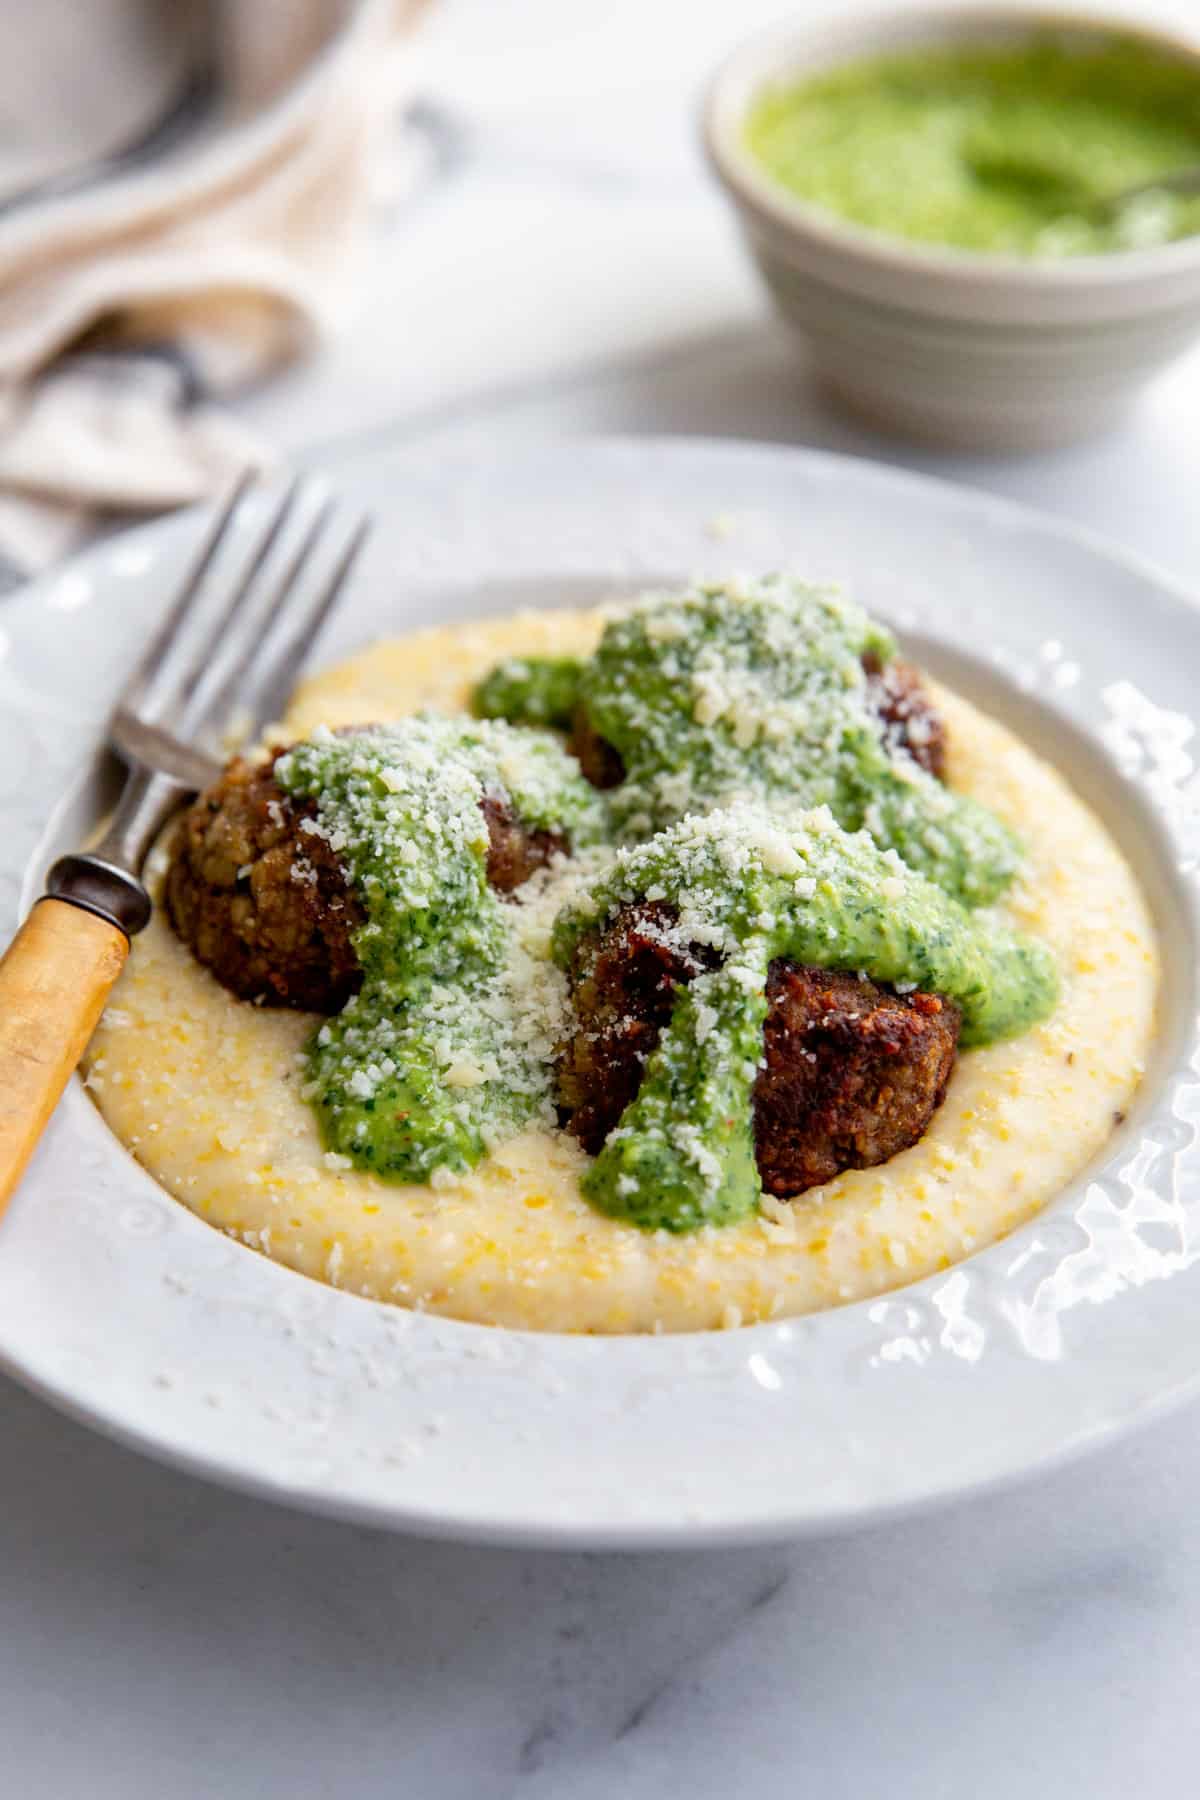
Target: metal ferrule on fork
x=103, y=881
x=102, y=888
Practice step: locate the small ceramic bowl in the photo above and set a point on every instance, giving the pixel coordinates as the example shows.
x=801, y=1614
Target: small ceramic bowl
x=988, y=352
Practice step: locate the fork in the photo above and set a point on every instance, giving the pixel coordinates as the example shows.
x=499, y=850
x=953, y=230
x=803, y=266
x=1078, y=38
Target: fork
x=220, y=667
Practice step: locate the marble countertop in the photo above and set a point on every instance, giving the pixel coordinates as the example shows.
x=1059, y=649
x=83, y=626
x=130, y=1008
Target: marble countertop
x=563, y=266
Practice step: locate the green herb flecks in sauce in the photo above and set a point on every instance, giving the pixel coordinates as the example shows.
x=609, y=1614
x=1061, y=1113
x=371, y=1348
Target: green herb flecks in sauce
x=753, y=755
x=450, y=1043
x=540, y=690
x=1011, y=150
x=729, y=694
x=753, y=888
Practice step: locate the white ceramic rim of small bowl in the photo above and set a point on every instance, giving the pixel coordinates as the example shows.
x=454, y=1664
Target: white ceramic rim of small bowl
x=766, y=56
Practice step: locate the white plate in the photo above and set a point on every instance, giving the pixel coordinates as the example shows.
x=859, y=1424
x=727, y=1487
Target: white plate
x=124, y=1309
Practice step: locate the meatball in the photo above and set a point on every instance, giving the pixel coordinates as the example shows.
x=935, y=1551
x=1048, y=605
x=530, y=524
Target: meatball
x=852, y=1072
x=515, y=852
x=258, y=896
x=909, y=718
x=601, y=762
x=624, y=980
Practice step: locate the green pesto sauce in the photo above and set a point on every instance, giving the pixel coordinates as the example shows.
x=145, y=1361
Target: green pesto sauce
x=449, y=1045
x=997, y=150
x=755, y=692
x=762, y=800
x=682, y=1155
x=540, y=690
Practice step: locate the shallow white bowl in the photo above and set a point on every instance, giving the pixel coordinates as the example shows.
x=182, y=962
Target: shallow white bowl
x=947, y=345
x=130, y=1312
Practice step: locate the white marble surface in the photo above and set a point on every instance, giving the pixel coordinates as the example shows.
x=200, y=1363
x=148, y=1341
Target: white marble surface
x=571, y=271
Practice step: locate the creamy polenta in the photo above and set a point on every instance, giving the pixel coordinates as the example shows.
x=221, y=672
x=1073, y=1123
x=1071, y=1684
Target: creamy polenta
x=206, y=1090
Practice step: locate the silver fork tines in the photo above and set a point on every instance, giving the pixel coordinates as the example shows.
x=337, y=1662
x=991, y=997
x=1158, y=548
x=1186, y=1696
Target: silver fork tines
x=229, y=649
x=204, y=658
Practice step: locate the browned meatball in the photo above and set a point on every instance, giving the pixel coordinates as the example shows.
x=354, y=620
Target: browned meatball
x=909, y=718
x=852, y=1072
x=515, y=852
x=600, y=761
x=623, y=980
x=260, y=898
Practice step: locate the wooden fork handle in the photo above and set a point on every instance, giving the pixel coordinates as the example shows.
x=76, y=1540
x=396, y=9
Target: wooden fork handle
x=55, y=977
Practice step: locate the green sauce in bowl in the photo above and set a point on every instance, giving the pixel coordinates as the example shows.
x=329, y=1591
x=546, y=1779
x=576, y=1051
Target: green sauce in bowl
x=998, y=150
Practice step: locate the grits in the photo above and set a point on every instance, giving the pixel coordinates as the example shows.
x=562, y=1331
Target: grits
x=205, y=1090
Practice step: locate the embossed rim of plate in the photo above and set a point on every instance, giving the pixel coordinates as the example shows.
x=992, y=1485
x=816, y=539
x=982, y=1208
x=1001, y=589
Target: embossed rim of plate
x=126, y=1311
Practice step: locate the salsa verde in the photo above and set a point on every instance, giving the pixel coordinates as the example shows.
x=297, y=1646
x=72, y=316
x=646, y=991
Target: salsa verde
x=762, y=799
x=449, y=1044
x=754, y=888
x=1012, y=150
x=756, y=690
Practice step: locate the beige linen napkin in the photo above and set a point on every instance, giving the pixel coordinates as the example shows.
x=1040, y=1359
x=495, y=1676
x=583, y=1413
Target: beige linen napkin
x=127, y=313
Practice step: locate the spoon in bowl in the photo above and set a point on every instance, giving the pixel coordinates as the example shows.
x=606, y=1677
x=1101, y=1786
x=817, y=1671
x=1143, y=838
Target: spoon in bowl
x=1023, y=171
